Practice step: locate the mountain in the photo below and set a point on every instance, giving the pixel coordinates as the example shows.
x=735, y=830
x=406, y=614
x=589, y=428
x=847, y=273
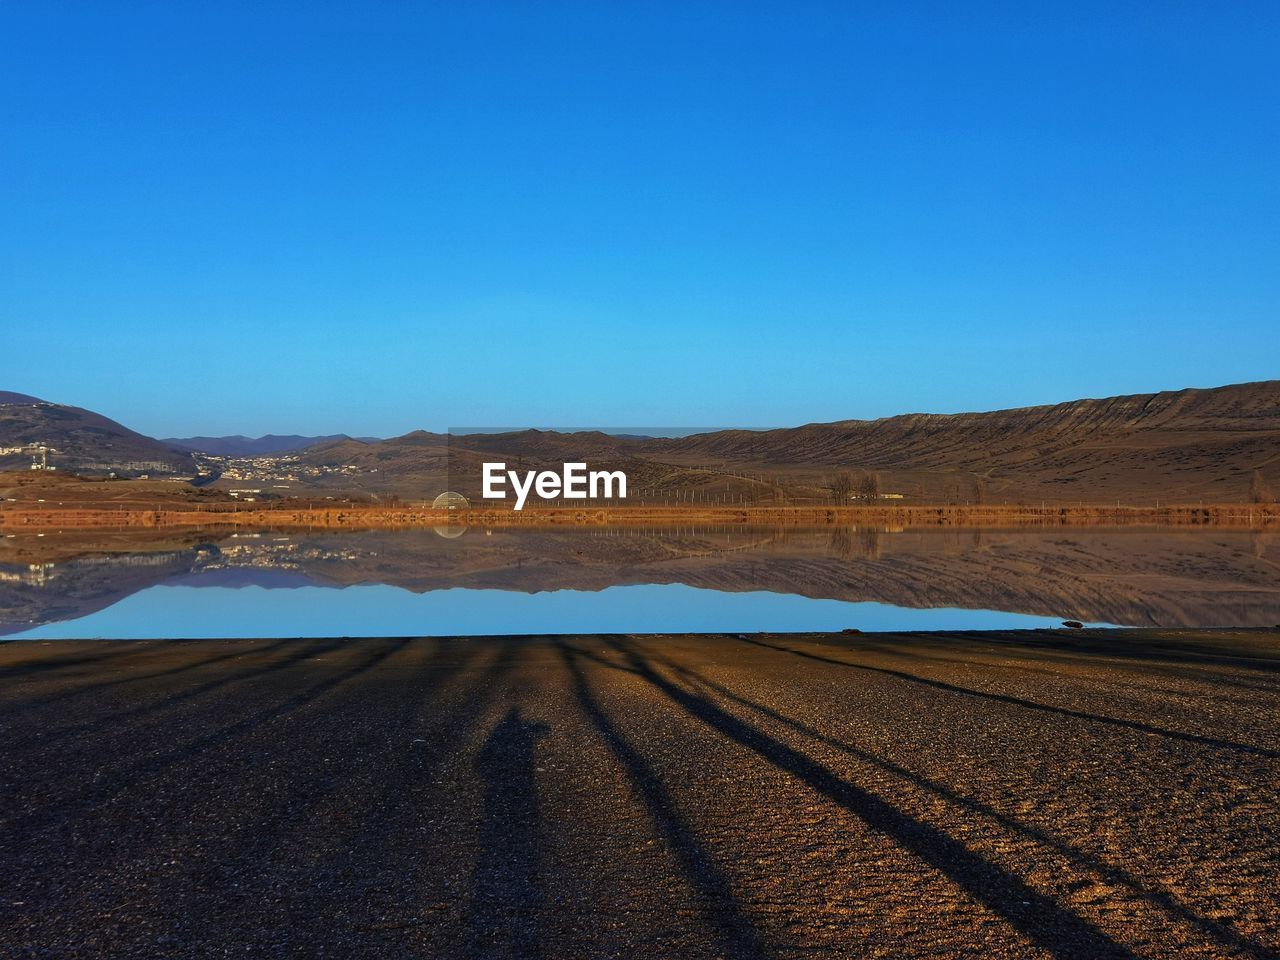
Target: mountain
x=1180, y=445
x=242, y=446
x=81, y=441
x=1174, y=445
x=1184, y=443
x=966, y=439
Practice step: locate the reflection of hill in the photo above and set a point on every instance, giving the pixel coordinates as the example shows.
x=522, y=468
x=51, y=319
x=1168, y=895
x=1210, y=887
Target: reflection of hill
x=1083, y=578
x=1134, y=577
x=1128, y=577
x=44, y=593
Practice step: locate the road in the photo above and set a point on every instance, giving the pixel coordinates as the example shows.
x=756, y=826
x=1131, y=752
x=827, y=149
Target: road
x=1040, y=794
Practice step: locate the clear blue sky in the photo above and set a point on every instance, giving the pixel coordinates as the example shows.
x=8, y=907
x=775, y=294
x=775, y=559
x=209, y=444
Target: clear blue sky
x=367, y=218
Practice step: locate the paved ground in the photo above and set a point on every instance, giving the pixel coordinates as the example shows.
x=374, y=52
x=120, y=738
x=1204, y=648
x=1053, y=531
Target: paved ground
x=976, y=795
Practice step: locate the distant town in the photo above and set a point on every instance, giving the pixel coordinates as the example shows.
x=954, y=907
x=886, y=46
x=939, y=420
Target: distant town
x=274, y=475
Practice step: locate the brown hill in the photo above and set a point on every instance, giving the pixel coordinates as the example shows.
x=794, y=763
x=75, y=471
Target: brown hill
x=972, y=439
x=1218, y=445
x=1175, y=446
x=82, y=441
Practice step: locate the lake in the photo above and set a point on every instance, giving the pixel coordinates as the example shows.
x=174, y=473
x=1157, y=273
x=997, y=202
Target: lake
x=663, y=580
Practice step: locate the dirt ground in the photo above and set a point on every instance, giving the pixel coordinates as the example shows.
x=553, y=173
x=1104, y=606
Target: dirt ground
x=1033, y=794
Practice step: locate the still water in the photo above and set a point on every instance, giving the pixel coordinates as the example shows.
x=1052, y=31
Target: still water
x=734, y=579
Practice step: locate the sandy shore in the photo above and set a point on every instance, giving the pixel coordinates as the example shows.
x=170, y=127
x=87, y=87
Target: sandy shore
x=1038, y=794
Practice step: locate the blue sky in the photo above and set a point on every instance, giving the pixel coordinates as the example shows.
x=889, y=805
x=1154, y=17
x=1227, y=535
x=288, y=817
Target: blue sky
x=368, y=218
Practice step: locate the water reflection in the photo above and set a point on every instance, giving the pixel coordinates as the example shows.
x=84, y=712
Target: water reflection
x=1140, y=577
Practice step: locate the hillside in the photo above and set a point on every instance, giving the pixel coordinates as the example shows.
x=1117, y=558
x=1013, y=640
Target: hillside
x=239, y=445
x=82, y=441
x=1175, y=445
x=974, y=439
x=1186, y=443
x=8, y=396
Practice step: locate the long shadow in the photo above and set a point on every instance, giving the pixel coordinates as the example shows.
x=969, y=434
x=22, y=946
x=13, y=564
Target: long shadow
x=735, y=932
x=1122, y=643
x=118, y=780
x=1051, y=926
x=368, y=840
x=305, y=650
x=1255, y=680
x=1112, y=874
x=62, y=663
x=1135, y=725
x=503, y=914
x=101, y=684
x=408, y=787
x=1152, y=653
x=252, y=669
x=1150, y=658
x=1127, y=677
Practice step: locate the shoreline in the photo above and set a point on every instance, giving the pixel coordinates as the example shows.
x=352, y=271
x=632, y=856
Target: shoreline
x=1254, y=648
x=363, y=517
x=1054, y=634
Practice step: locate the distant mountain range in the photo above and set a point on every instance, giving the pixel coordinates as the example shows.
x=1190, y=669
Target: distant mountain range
x=80, y=439
x=242, y=446
x=1216, y=444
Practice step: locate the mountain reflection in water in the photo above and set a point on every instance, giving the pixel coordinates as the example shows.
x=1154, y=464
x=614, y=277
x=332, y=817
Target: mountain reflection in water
x=739, y=576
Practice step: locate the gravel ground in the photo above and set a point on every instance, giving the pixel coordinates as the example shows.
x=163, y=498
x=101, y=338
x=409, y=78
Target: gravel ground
x=1036, y=794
